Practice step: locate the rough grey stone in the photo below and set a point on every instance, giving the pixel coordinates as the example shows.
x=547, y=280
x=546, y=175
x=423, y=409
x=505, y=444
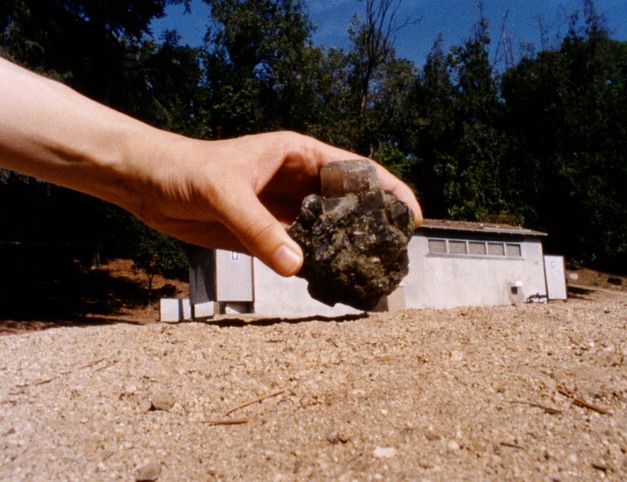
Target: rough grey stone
x=355, y=245
x=148, y=472
x=162, y=400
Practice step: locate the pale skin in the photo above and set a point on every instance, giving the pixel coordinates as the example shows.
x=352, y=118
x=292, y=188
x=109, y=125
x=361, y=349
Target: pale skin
x=236, y=194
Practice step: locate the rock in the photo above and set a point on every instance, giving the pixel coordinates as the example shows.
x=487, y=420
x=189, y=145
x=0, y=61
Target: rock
x=431, y=434
x=162, y=400
x=355, y=239
x=335, y=438
x=457, y=355
x=453, y=445
x=384, y=452
x=148, y=472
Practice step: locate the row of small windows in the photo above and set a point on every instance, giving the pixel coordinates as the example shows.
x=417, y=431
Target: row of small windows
x=474, y=248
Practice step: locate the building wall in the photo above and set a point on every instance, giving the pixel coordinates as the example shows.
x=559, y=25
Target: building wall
x=279, y=296
x=434, y=281
x=447, y=281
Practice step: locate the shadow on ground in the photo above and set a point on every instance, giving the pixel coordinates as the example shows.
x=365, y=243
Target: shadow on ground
x=580, y=293
x=235, y=322
x=40, y=290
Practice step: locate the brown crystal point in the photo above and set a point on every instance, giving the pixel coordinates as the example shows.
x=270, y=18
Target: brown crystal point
x=339, y=178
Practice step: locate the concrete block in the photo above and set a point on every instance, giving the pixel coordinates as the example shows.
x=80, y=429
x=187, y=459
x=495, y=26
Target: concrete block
x=339, y=178
x=203, y=310
x=186, y=309
x=172, y=310
x=395, y=301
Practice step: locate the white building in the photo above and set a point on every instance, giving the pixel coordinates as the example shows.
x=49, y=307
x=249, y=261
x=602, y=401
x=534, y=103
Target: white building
x=451, y=263
x=455, y=263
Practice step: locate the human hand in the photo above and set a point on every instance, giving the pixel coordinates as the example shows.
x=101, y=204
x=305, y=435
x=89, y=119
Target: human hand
x=238, y=194
x=233, y=194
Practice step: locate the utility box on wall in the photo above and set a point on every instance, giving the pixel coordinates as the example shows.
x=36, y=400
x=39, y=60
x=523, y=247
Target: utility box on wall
x=222, y=277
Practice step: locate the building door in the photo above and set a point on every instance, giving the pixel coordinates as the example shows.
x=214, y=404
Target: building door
x=555, y=277
x=234, y=276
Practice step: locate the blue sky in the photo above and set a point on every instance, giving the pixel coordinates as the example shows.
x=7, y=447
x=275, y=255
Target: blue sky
x=451, y=18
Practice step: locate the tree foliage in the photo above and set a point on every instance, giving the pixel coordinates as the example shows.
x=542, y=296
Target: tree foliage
x=259, y=58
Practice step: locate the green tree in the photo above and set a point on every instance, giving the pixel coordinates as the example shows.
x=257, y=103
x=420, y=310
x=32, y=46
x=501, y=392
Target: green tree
x=259, y=60
x=565, y=109
x=102, y=49
x=156, y=254
x=455, y=132
x=364, y=89
x=428, y=129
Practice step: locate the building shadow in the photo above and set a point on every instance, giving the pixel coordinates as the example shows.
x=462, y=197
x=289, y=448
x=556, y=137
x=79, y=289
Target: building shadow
x=579, y=293
x=228, y=322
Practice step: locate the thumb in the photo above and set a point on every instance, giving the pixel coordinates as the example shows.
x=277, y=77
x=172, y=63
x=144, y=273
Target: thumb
x=262, y=234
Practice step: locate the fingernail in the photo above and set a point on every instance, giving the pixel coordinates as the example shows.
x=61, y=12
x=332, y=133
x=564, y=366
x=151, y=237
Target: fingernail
x=287, y=259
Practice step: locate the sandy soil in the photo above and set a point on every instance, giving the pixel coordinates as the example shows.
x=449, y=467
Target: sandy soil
x=527, y=392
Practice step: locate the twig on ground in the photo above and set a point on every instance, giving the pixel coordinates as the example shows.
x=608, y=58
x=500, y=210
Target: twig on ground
x=582, y=403
x=256, y=400
x=106, y=365
x=91, y=364
x=509, y=444
x=551, y=410
x=235, y=421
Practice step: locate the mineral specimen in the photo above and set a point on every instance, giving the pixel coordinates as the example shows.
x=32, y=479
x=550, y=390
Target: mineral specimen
x=354, y=237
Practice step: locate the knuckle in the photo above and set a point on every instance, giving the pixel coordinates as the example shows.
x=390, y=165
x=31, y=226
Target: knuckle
x=259, y=231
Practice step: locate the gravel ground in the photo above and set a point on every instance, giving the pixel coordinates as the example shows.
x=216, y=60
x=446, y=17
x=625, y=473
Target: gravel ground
x=528, y=392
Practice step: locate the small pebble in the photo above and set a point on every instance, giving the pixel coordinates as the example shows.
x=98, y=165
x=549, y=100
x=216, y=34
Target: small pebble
x=453, y=445
x=431, y=434
x=337, y=437
x=149, y=472
x=384, y=452
x=457, y=355
x=162, y=400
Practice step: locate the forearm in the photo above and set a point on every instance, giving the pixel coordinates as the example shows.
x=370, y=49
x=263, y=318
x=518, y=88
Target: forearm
x=52, y=132
x=231, y=194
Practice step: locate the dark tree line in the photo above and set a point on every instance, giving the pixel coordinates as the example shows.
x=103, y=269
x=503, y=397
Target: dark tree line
x=541, y=143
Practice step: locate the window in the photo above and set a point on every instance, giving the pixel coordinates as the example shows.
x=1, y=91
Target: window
x=437, y=246
x=513, y=250
x=496, y=249
x=477, y=247
x=457, y=247
x=462, y=247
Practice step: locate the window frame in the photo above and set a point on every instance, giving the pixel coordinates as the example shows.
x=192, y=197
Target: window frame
x=468, y=254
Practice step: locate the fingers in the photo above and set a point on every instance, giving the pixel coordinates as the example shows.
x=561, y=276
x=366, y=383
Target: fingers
x=401, y=191
x=260, y=233
x=251, y=230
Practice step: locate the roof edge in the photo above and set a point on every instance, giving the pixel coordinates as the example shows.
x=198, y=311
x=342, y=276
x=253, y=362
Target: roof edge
x=478, y=227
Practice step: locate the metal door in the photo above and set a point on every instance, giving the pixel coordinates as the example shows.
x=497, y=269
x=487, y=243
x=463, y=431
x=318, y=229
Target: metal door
x=555, y=277
x=234, y=276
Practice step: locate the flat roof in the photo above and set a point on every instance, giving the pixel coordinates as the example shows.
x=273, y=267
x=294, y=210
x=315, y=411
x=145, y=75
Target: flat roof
x=477, y=227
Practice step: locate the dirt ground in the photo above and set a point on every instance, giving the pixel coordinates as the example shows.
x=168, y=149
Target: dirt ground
x=526, y=392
